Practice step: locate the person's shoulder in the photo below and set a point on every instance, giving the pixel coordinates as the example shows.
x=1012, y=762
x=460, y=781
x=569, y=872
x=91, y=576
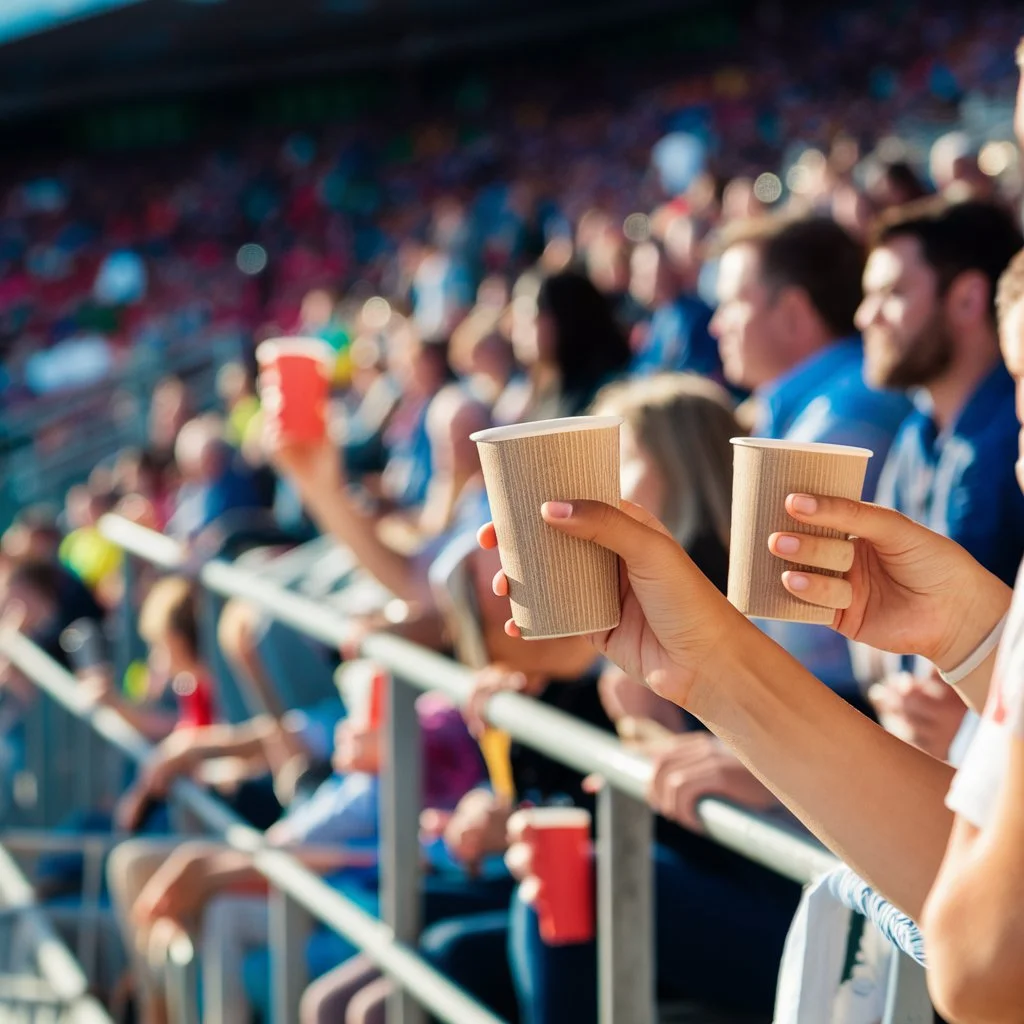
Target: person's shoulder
x=852, y=396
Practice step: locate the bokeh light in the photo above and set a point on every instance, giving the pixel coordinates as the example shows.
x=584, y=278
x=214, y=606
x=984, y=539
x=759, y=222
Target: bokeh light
x=376, y=313
x=637, y=227
x=251, y=259
x=768, y=187
x=996, y=157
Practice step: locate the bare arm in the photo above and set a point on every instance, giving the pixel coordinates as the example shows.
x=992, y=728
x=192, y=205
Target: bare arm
x=316, y=472
x=974, y=928
x=874, y=800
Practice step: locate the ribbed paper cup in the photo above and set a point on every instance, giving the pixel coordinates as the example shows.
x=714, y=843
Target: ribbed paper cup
x=558, y=585
x=764, y=473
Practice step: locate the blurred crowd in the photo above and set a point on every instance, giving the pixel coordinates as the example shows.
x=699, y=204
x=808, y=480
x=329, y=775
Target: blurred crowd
x=422, y=199
x=546, y=266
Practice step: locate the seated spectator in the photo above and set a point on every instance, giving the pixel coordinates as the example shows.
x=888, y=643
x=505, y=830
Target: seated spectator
x=928, y=319
x=177, y=673
x=335, y=829
x=568, y=341
x=141, y=474
x=85, y=551
x=237, y=393
x=788, y=291
x=677, y=337
x=213, y=481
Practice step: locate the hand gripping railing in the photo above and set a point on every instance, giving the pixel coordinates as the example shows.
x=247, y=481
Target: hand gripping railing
x=625, y=933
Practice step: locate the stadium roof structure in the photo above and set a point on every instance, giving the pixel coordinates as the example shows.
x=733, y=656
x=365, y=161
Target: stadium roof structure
x=55, y=53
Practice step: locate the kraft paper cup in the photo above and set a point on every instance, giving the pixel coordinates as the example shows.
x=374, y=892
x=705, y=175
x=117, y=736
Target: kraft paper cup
x=295, y=378
x=558, y=585
x=764, y=473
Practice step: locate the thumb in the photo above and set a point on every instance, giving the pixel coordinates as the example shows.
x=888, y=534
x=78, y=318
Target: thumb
x=592, y=784
x=632, y=533
x=883, y=527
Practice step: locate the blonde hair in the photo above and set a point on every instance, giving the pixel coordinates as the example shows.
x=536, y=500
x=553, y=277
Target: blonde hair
x=170, y=607
x=684, y=423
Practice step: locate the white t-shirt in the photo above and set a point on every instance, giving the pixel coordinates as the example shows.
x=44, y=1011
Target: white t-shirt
x=976, y=785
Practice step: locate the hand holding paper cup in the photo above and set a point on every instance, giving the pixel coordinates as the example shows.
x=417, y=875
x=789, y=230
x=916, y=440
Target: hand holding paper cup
x=765, y=472
x=294, y=385
x=558, y=585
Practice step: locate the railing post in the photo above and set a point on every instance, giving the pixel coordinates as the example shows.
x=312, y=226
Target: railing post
x=399, y=833
x=625, y=900
x=182, y=978
x=290, y=926
x=129, y=644
x=907, y=1000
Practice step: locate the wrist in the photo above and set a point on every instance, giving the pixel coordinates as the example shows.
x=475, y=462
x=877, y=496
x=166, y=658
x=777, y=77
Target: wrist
x=972, y=625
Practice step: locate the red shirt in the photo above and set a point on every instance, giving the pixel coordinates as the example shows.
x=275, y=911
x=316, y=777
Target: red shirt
x=195, y=701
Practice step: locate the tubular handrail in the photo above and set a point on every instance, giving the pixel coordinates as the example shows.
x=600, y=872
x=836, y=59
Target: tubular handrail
x=57, y=967
x=284, y=872
x=763, y=839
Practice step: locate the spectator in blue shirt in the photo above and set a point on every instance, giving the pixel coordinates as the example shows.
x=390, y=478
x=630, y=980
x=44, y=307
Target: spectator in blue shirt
x=214, y=481
x=788, y=291
x=929, y=324
x=677, y=336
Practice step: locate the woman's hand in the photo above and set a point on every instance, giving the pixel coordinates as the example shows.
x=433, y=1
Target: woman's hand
x=905, y=589
x=674, y=621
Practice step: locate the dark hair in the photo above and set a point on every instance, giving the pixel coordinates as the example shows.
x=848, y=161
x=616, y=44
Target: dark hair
x=956, y=238
x=1010, y=289
x=41, y=577
x=590, y=347
x=811, y=253
x=903, y=177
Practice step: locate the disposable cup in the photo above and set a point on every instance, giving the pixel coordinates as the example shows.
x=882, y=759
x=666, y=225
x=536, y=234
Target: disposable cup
x=294, y=383
x=765, y=471
x=563, y=865
x=558, y=585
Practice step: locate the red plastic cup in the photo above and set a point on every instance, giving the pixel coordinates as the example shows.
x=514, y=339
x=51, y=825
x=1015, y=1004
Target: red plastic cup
x=378, y=700
x=294, y=384
x=563, y=864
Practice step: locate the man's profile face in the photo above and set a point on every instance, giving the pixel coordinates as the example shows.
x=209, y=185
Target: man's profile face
x=906, y=339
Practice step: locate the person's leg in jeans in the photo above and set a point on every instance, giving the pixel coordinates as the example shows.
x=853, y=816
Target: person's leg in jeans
x=471, y=951
x=717, y=918
x=554, y=984
x=232, y=925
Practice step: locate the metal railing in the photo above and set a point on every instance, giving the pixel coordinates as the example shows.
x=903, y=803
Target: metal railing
x=59, y=985
x=625, y=918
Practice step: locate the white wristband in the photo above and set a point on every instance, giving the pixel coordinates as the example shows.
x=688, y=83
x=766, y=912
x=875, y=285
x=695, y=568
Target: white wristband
x=974, y=660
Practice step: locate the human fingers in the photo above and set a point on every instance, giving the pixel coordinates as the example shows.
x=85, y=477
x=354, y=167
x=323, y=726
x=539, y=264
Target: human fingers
x=486, y=537
x=831, y=553
x=824, y=591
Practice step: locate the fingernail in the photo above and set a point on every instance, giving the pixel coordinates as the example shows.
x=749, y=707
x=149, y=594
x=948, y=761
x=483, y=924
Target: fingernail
x=804, y=504
x=797, y=581
x=556, y=509
x=787, y=545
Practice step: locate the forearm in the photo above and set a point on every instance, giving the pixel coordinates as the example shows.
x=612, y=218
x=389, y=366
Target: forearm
x=242, y=741
x=874, y=800
x=974, y=929
x=337, y=514
x=154, y=725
